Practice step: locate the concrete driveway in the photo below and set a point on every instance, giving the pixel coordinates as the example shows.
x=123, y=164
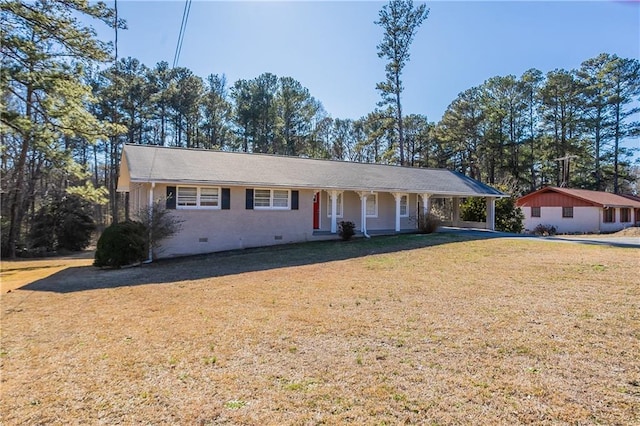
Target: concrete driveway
x=606, y=240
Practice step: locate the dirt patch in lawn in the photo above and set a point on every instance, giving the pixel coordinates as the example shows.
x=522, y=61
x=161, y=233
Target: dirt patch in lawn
x=476, y=332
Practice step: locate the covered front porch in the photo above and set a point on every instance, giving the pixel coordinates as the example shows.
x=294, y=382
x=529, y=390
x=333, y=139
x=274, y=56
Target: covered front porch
x=375, y=212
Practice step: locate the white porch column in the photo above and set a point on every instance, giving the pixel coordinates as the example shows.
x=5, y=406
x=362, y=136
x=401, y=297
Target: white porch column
x=334, y=211
x=397, y=196
x=363, y=212
x=455, y=203
x=491, y=213
x=426, y=197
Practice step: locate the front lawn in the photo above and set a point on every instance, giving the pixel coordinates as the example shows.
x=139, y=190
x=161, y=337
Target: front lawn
x=408, y=329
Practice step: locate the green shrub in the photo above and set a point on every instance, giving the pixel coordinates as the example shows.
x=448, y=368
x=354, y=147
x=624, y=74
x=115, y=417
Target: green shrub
x=473, y=209
x=346, y=230
x=509, y=218
x=121, y=244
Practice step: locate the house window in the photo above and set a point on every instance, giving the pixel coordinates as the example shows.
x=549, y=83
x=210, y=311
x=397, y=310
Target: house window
x=275, y=199
x=372, y=205
x=192, y=197
x=339, y=209
x=567, y=212
x=280, y=199
x=609, y=215
x=404, y=206
x=535, y=211
x=209, y=197
x=625, y=215
x=262, y=198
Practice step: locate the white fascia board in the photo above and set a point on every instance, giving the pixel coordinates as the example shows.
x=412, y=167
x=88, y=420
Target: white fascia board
x=316, y=186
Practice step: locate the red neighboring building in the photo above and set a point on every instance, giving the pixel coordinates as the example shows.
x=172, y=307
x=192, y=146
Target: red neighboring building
x=579, y=210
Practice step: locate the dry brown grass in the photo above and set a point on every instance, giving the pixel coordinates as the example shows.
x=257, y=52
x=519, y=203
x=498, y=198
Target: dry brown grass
x=17, y=273
x=632, y=231
x=478, y=332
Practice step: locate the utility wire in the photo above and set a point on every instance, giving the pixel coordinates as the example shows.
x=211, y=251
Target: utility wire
x=183, y=28
x=115, y=7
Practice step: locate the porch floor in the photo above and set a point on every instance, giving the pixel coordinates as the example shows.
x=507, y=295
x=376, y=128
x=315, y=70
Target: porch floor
x=319, y=233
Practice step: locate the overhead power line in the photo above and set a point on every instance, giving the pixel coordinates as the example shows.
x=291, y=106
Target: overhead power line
x=183, y=28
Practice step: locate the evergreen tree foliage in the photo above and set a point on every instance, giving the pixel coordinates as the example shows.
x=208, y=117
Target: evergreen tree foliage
x=400, y=21
x=65, y=223
x=46, y=51
x=473, y=209
x=509, y=218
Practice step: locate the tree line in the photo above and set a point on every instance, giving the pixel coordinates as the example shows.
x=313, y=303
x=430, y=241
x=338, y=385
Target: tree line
x=562, y=128
x=67, y=109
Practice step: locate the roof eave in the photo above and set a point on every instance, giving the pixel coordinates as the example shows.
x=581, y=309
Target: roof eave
x=323, y=187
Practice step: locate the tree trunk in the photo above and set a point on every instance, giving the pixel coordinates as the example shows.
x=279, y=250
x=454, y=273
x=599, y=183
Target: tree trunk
x=16, y=211
x=399, y=118
x=616, y=149
x=597, y=152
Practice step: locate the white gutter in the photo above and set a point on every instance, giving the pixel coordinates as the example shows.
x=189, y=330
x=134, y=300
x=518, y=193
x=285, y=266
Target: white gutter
x=436, y=194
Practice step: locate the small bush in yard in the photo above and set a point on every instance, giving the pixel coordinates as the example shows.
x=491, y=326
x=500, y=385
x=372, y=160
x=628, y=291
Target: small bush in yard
x=159, y=223
x=545, y=230
x=121, y=244
x=428, y=224
x=346, y=230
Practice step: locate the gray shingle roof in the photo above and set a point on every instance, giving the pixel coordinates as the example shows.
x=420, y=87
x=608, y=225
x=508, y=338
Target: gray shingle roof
x=147, y=163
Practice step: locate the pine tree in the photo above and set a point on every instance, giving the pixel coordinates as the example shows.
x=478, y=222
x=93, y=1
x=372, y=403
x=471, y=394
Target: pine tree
x=400, y=21
x=46, y=51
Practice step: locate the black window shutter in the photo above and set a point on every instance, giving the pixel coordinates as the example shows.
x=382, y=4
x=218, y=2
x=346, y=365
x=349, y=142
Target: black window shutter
x=171, y=197
x=249, y=204
x=226, y=198
x=294, y=200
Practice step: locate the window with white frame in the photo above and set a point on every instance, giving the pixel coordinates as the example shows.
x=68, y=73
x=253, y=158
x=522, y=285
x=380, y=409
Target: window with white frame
x=404, y=206
x=209, y=197
x=372, y=205
x=275, y=199
x=195, y=197
x=339, y=210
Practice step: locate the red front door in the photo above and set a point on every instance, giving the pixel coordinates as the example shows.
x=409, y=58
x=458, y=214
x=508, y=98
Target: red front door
x=316, y=210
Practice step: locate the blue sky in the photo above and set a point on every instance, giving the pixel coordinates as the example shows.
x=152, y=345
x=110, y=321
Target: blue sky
x=330, y=47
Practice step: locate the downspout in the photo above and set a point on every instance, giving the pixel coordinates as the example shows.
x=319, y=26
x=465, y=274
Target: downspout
x=150, y=207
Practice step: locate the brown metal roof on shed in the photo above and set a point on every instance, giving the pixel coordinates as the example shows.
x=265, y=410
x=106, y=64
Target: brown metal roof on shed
x=566, y=197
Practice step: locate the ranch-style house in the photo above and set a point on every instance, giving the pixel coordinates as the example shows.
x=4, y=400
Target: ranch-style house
x=578, y=210
x=231, y=200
